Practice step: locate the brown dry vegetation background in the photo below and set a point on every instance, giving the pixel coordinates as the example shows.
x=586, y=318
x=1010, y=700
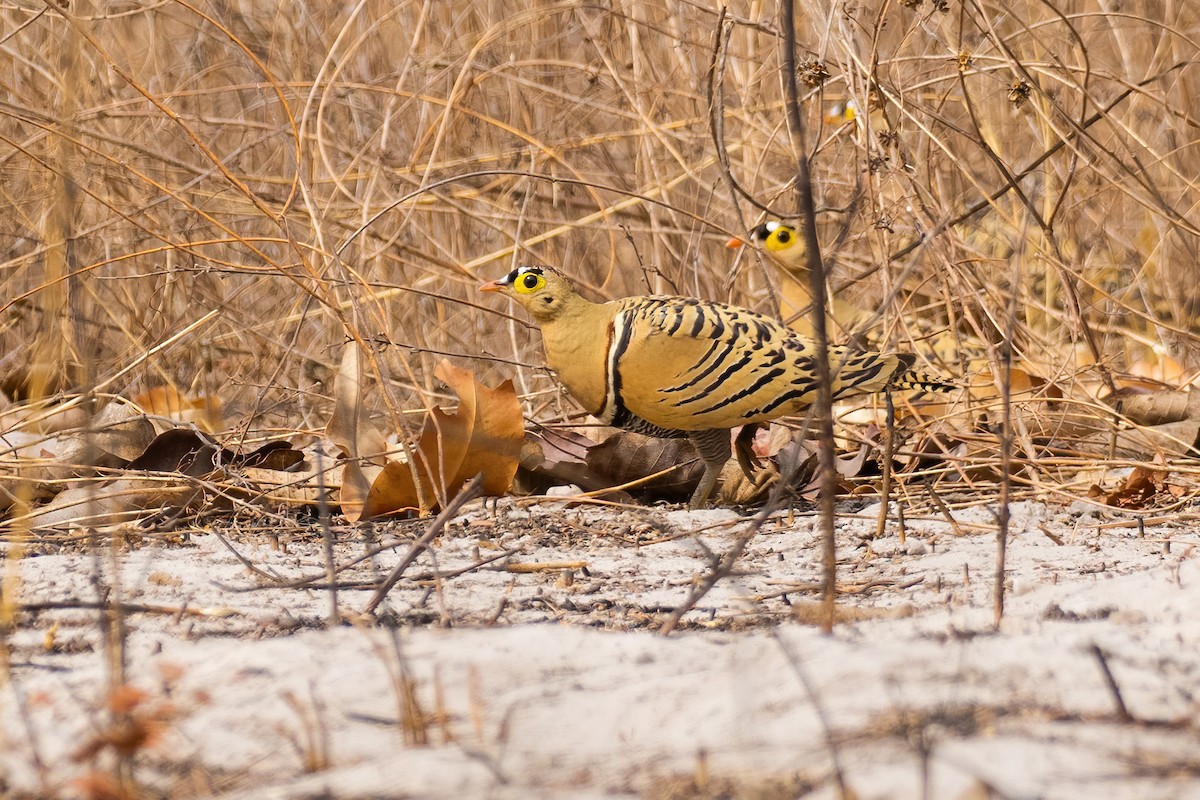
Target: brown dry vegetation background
x=216, y=195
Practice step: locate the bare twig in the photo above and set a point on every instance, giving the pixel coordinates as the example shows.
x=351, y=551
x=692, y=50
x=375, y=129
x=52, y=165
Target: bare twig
x=1004, y=512
x=885, y=467
x=469, y=492
x=1111, y=682
x=823, y=407
x=327, y=538
x=315, y=582
x=721, y=567
x=126, y=607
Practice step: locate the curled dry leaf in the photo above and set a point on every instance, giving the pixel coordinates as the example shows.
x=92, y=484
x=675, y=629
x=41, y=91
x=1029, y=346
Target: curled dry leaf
x=625, y=457
x=362, y=445
x=1155, y=408
x=1137, y=490
x=483, y=436
x=739, y=489
x=1173, y=440
x=188, y=452
x=555, y=458
x=1167, y=423
x=33, y=465
x=552, y=457
x=119, y=429
x=97, y=504
x=794, y=459
x=182, y=450
x=295, y=478
x=176, y=457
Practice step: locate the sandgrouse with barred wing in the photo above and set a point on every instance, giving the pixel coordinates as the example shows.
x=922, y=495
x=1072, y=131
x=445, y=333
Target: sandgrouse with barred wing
x=784, y=245
x=678, y=367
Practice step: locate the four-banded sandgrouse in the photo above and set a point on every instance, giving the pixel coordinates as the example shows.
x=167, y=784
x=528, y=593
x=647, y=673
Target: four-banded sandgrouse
x=677, y=366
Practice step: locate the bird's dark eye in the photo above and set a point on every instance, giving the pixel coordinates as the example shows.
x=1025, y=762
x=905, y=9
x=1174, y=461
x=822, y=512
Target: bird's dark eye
x=530, y=281
x=783, y=235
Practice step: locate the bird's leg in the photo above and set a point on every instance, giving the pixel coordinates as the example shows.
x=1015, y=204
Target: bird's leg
x=713, y=446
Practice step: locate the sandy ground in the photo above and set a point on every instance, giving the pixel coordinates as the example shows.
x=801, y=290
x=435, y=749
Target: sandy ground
x=542, y=672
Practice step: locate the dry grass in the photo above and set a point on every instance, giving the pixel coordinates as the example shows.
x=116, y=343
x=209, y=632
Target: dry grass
x=320, y=171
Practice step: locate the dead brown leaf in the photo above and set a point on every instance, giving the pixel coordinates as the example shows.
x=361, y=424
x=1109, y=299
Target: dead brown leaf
x=558, y=458
x=189, y=452
x=34, y=465
x=625, y=457
x=361, y=443
x=551, y=458
x=181, y=450
x=96, y=504
x=1136, y=491
x=175, y=456
x=1172, y=440
x=1155, y=408
x=484, y=436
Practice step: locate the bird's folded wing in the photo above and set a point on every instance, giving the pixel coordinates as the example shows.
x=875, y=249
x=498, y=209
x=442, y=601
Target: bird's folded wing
x=693, y=365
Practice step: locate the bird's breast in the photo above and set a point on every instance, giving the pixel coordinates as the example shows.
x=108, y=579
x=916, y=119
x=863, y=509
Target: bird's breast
x=579, y=356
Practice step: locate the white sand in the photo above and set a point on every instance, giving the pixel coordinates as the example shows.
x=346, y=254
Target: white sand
x=570, y=693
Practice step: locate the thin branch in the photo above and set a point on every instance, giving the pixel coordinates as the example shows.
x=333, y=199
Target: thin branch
x=1102, y=660
x=826, y=455
x=469, y=492
x=721, y=568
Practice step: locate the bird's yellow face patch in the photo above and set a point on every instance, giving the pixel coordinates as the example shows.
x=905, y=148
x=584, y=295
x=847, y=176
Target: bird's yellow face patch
x=778, y=237
x=542, y=291
x=842, y=111
x=528, y=281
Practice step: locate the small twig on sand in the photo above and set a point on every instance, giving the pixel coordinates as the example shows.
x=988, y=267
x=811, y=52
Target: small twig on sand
x=1122, y=710
x=469, y=492
x=129, y=608
x=327, y=536
x=316, y=583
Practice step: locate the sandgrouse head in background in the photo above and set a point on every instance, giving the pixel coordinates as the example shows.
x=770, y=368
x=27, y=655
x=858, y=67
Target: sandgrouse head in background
x=681, y=367
x=780, y=241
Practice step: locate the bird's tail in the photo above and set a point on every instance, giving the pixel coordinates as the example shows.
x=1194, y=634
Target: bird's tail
x=908, y=378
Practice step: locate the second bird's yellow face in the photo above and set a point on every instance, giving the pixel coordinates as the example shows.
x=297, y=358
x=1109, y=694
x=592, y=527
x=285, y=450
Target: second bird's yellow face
x=776, y=237
x=782, y=242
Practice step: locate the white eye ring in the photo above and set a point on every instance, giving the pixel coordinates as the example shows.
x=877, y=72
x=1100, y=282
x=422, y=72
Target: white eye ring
x=772, y=226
